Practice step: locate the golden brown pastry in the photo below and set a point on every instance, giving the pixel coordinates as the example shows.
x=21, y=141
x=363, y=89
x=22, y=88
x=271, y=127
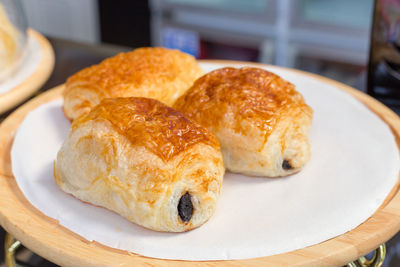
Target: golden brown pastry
x=9, y=45
x=158, y=73
x=145, y=161
x=260, y=120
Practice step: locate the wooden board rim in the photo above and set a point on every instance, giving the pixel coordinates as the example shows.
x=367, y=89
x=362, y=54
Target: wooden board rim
x=37, y=78
x=47, y=238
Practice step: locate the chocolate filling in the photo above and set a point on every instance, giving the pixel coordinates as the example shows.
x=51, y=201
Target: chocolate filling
x=286, y=165
x=185, y=207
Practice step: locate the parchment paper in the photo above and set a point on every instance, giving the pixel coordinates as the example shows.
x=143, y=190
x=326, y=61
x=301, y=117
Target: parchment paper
x=354, y=165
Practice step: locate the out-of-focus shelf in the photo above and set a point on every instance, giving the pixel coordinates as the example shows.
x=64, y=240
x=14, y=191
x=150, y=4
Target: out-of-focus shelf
x=227, y=23
x=226, y=36
x=282, y=24
x=346, y=55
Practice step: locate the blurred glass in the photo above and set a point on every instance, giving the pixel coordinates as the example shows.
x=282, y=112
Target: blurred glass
x=13, y=36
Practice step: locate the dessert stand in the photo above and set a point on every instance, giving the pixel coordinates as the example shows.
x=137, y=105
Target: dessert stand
x=44, y=236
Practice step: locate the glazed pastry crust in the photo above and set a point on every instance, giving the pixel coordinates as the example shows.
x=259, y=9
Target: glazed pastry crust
x=259, y=118
x=138, y=157
x=158, y=73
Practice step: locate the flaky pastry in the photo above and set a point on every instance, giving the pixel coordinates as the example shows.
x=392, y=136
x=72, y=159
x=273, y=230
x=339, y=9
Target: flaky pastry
x=158, y=73
x=145, y=161
x=260, y=120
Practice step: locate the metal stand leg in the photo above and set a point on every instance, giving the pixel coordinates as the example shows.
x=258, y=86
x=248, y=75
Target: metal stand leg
x=376, y=261
x=10, y=246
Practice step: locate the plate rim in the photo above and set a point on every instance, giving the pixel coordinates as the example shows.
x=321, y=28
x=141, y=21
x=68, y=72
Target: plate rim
x=46, y=237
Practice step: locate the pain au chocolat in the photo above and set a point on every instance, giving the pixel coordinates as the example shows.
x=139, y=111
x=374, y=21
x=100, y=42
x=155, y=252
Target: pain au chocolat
x=260, y=120
x=145, y=161
x=159, y=73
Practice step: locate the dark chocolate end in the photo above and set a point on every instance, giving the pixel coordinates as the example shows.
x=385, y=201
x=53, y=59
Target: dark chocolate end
x=185, y=207
x=286, y=165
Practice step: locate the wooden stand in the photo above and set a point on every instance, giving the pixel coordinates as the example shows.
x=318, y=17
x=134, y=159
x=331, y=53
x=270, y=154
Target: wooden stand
x=44, y=236
x=33, y=83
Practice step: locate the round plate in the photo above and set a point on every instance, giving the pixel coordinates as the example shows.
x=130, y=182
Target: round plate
x=35, y=80
x=47, y=238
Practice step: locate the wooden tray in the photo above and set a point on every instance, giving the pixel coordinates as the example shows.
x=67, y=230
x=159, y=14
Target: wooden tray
x=33, y=83
x=46, y=237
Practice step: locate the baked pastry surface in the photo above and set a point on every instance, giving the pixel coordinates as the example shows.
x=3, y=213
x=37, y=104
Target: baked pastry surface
x=158, y=73
x=145, y=161
x=260, y=120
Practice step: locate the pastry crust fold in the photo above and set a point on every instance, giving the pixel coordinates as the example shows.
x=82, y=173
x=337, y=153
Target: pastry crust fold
x=158, y=73
x=145, y=161
x=260, y=120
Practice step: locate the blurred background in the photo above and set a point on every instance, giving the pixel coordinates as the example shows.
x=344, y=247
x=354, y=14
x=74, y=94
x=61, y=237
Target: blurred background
x=330, y=38
x=323, y=36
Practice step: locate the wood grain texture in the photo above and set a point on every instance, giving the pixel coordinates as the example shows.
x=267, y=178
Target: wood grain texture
x=33, y=83
x=47, y=238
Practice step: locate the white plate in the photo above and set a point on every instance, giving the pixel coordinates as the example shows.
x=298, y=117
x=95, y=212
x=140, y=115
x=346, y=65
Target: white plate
x=352, y=151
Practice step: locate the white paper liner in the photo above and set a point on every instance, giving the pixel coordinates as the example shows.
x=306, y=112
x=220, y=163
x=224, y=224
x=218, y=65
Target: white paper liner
x=354, y=165
x=30, y=61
